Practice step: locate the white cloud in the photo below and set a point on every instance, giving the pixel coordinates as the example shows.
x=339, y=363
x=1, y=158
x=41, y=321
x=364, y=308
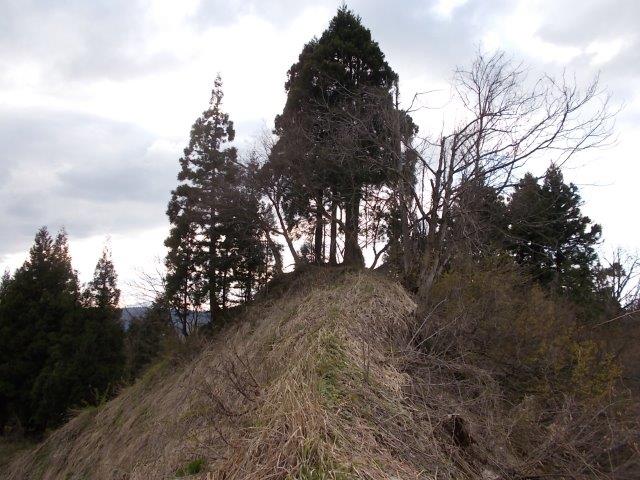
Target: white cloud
x=604, y=51
x=446, y=8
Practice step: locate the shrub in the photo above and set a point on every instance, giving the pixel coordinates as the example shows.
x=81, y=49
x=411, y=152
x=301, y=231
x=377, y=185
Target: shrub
x=533, y=341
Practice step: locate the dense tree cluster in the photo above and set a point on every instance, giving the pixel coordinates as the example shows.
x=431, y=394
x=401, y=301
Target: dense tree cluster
x=339, y=78
x=60, y=346
x=344, y=177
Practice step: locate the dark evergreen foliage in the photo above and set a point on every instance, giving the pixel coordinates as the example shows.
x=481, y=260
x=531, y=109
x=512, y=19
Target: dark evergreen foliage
x=146, y=338
x=338, y=77
x=102, y=292
x=55, y=352
x=550, y=237
x=216, y=244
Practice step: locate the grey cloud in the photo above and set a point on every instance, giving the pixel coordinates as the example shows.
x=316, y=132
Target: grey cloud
x=409, y=32
x=576, y=23
x=417, y=42
x=79, y=218
x=87, y=173
x=579, y=24
x=104, y=38
x=76, y=39
x=626, y=66
x=421, y=41
x=133, y=182
x=214, y=13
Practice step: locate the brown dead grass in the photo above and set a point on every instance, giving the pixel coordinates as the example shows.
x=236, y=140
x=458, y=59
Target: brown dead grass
x=319, y=380
x=270, y=397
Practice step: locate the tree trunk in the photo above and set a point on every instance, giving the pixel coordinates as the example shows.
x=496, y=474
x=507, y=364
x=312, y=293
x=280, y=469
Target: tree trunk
x=214, y=307
x=431, y=264
x=185, y=333
x=224, y=292
x=248, y=288
x=403, y=172
x=183, y=314
x=438, y=221
x=285, y=233
x=407, y=246
x=319, y=230
x=213, y=304
x=275, y=251
x=182, y=310
x=333, y=241
x=352, y=252
x=211, y=271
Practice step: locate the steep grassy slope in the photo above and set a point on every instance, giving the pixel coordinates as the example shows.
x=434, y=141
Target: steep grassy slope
x=265, y=398
x=320, y=380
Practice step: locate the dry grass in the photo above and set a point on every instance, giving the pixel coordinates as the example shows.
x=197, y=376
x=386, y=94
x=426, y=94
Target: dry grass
x=320, y=380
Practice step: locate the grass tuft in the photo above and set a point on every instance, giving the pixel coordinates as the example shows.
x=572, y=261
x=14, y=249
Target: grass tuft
x=192, y=468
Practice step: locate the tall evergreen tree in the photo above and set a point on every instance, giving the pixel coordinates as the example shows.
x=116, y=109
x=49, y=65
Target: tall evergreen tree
x=208, y=170
x=335, y=79
x=99, y=358
x=38, y=300
x=213, y=216
x=550, y=236
x=102, y=292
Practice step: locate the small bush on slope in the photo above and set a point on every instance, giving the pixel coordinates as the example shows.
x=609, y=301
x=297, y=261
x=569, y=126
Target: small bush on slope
x=533, y=342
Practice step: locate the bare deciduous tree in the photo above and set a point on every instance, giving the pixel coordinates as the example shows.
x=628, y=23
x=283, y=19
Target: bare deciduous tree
x=505, y=120
x=150, y=287
x=623, y=275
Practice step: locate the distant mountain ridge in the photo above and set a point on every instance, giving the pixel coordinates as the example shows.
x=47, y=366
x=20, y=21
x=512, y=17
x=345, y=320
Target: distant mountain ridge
x=132, y=313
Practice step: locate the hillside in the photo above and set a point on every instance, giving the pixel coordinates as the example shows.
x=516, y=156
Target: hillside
x=319, y=380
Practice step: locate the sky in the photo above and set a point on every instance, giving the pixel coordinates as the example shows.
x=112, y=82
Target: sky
x=97, y=99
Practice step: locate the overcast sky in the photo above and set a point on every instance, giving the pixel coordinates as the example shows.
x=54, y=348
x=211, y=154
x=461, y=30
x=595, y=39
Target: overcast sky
x=97, y=98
